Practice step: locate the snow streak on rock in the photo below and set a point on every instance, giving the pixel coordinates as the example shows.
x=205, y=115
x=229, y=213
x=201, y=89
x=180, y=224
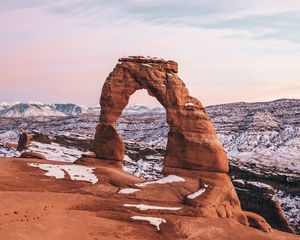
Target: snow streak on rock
x=128, y=190
x=149, y=207
x=168, y=179
x=198, y=193
x=152, y=220
x=79, y=173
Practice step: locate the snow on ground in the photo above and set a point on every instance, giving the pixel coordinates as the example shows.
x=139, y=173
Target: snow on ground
x=152, y=220
x=56, y=152
x=9, y=136
x=239, y=181
x=291, y=206
x=51, y=151
x=79, y=173
x=147, y=207
x=198, y=193
x=147, y=169
x=260, y=185
x=128, y=190
x=287, y=160
x=8, y=152
x=168, y=179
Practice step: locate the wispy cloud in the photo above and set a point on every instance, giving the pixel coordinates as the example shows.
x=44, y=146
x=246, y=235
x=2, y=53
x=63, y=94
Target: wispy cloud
x=225, y=48
x=279, y=19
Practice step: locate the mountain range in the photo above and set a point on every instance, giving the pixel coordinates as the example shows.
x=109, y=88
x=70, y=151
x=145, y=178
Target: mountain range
x=35, y=109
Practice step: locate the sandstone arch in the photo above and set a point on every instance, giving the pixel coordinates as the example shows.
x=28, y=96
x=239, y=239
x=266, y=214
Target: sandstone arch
x=192, y=142
x=193, y=149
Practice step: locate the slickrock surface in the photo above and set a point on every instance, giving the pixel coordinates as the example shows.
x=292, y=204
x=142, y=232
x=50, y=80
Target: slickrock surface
x=35, y=206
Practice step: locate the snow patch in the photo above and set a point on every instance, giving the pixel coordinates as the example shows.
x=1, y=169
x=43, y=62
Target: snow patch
x=147, y=207
x=56, y=152
x=291, y=206
x=240, y=181
x=146, y=65
x=152, y=220
x=168, y=179
x=8, y=152
x=260, y=185
x=79, y=173
x=9, y=136
x=189, y=104
x=128, y=190
x=198, y=193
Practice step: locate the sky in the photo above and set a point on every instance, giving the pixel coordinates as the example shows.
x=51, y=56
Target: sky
x=227, y=51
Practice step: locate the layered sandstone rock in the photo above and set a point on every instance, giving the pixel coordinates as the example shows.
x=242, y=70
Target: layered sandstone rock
x=192, y=142
x=193, y=149
x=37, y=205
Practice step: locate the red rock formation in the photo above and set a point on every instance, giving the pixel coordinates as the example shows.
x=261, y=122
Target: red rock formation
x=24, y=141
x=42, y=138
x=192, y=142
x=193, y=148
x=36, y=206
x=32, y=155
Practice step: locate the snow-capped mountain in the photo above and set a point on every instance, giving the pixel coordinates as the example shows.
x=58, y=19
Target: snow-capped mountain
x=36, y=109
x=94, y=109
x=29, y=110
x=69, y=109
x=137, y=109
x=4, y=105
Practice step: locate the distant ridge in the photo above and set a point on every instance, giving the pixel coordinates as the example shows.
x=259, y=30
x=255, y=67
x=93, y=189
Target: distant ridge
x=36, y=109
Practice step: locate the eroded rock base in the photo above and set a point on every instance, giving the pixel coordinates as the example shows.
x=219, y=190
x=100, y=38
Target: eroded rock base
x=34, y=205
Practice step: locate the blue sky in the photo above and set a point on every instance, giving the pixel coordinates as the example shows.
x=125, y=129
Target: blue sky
x=228, y=51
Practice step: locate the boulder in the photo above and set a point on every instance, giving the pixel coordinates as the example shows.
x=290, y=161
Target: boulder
x=257, y=221
x=42, y=138
x=34, y=155
x=89, y=155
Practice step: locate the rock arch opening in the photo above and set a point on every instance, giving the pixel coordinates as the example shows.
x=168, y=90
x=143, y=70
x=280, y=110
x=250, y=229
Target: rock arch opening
x=144, y=129
x=192, y=142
